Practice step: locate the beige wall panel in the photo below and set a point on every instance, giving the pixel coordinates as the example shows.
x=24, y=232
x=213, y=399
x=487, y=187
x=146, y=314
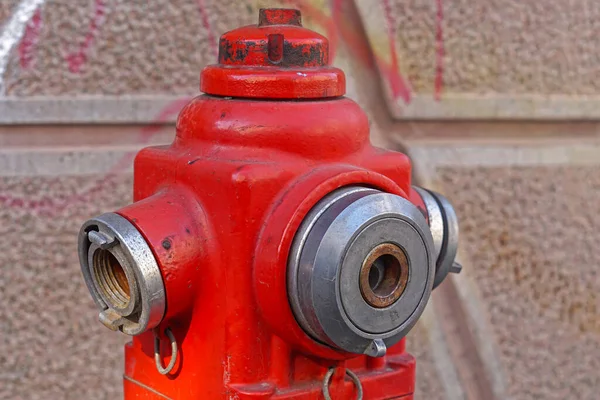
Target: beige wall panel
x=116, y=47
x=112, y=47
x=429, y=386
x=52, y=346
x=487, y=58
x=123, y=61
x=530, y=234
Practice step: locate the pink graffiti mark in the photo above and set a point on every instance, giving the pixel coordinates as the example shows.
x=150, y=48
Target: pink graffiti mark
x=77, y=59
x=440, y=51
x=399, y=86
x=50, y=206
x=212, y=40
x=30, y=40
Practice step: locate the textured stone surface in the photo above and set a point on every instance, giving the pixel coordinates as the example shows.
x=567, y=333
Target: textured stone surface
x=531, y=234
x=132, y=47
x=460, y=59
x=122, y=46
x=491, y=46
x=6, y=7
x=116, y=47
x=428, y=381
x=522, y=47
x=52, y=346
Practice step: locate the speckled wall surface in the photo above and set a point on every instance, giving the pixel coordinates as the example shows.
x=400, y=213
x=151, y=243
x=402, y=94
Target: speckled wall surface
x=490, y=46
x=123, y=47
x=115, y=47
x=531, y=235
x=431, y=54
x=52, y=346
x=476, y=58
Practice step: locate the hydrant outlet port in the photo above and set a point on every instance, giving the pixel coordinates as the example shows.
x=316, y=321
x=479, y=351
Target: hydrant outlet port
x=111, y=279
x=361, y=270
x=443, y=224
x=384, y=275
x=121, y=274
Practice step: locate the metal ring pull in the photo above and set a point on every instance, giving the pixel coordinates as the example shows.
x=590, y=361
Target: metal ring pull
x=353, y=378
x=162, y=370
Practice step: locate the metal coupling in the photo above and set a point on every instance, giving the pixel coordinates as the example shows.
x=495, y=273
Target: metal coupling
x=122, y=274
x=361, y=270
x=443, y=224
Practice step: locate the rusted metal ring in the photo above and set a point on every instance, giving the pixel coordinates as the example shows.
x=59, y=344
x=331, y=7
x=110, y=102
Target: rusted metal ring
x=353, y=378
x=162, y=370
x=384, y=275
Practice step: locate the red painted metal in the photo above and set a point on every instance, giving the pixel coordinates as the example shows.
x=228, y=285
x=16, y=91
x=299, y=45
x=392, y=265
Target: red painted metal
x=276, y=59
x=219, y=208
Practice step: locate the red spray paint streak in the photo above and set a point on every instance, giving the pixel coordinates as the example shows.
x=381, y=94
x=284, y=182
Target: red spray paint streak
x=398, y=85
x=212, y=40
x=76, y=60
x=30, y=40
x=50, y=206
x=440, y=51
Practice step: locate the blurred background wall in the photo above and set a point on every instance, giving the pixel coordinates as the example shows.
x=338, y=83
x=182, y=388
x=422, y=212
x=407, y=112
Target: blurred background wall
x=495, y=101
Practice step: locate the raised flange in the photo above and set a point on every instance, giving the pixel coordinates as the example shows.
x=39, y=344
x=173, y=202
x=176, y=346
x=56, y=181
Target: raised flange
x=330, y=249
x=121, y=274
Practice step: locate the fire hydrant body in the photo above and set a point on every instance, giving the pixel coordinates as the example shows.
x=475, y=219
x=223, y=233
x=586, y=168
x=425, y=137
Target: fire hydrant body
x=240, y=220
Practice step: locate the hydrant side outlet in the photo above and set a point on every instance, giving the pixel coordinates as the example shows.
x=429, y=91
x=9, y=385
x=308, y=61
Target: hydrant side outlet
x=271, y=252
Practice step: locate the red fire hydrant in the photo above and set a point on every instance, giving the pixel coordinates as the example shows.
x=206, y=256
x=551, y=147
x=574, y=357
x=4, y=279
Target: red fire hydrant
x=271, y=251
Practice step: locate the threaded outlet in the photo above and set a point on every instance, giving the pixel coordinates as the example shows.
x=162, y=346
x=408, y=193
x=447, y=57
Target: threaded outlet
x=111, y=279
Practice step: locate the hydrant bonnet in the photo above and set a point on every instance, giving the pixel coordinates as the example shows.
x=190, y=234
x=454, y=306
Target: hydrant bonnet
x=277, y=58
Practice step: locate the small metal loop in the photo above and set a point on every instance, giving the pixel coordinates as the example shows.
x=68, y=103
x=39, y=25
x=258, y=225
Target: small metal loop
x=162, y=370
x=353, y=378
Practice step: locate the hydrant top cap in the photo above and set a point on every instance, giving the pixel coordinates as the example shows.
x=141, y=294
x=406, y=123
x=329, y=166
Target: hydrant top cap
x=277, y=58
x=279, y=16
